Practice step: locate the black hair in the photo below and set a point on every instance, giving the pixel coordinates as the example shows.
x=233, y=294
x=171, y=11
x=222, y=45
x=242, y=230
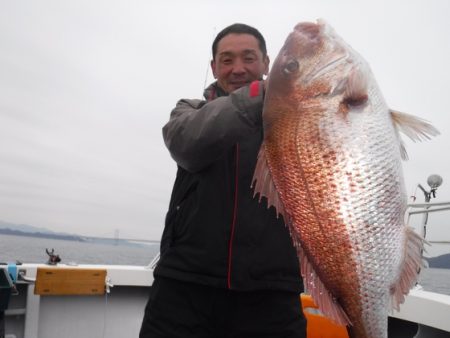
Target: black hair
x=239, y=28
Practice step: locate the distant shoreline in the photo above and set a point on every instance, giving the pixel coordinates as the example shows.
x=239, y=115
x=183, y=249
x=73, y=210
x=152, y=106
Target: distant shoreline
x=67, y=237
x=7, y=231
x=440, y=262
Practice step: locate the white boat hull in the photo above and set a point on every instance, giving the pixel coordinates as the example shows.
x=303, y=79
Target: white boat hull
x=119, y=313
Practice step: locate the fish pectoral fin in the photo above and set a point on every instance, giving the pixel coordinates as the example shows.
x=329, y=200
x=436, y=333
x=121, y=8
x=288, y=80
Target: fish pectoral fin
x=318, y=291
x=264, y=185
x=414, y=127
x=403, y=152
x=356, y=88
x=409, y=273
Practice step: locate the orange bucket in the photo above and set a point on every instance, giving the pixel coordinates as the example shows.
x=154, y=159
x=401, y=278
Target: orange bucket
x=317, y=325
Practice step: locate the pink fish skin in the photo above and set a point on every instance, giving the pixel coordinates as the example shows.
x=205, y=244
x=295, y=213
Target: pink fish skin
x=331, y=165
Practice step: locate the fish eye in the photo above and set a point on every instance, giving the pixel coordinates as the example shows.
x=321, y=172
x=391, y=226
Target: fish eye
x=291, y=67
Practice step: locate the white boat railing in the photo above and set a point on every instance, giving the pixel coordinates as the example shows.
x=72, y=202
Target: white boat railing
x=425, y=209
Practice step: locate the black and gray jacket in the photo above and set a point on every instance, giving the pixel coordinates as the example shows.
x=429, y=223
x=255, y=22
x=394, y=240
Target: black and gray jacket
x=216, y=232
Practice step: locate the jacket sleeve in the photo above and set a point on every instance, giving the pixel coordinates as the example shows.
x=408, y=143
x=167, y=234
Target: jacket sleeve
x=198, y=132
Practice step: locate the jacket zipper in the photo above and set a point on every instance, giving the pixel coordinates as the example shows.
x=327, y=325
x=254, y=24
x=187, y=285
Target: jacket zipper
x=233, y=222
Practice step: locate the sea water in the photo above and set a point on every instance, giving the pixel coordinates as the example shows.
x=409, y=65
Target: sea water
x=33, y=250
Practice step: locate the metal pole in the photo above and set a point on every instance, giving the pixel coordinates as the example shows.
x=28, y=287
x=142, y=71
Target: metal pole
x=425, y=215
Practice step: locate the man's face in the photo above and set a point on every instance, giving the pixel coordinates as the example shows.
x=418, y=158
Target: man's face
x=238, y=61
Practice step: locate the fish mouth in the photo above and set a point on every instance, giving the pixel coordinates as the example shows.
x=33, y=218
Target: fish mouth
x=309, y=29
x=313, y=36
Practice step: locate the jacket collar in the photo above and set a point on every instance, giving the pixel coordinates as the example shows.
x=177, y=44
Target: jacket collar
x=213, y=91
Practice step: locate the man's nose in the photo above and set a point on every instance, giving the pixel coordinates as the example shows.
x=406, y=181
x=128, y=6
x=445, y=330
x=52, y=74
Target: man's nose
x=239, y=67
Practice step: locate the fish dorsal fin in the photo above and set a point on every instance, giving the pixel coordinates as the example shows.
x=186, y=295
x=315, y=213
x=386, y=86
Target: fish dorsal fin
x=411, y=266
x=414, y=127
x=322, y=297
x=264, y=185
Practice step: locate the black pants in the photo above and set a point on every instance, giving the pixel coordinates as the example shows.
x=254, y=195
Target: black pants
x=177, y=309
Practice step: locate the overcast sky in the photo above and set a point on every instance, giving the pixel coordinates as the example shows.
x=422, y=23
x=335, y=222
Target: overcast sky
x=86, y=86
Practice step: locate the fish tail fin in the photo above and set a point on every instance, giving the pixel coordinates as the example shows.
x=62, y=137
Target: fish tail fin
x=414, y=127
x=264, y=185
x=412, y=264
x=322, y=297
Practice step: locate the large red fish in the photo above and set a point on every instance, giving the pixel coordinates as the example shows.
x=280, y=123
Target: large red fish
x=331, y=165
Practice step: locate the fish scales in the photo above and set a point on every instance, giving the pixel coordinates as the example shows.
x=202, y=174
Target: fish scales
x=332, y=153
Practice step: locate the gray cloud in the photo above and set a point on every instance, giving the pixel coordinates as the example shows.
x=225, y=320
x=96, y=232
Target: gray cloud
x=86, y=86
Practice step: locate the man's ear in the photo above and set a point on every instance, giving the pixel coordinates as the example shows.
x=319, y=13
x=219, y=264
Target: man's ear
x=213, y=68
x=266, y=64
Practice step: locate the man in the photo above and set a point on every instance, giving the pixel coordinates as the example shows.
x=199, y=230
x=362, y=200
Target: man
x=228, y=267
